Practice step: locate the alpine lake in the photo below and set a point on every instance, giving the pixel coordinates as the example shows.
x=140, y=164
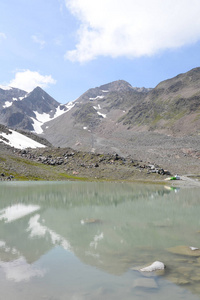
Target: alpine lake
x=90, y=240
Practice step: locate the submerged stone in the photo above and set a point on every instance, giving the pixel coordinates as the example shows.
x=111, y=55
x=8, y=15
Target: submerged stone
x=90, y=221
x=195, y=278
x=179, y=281
x=184, y=250
x=147, y=283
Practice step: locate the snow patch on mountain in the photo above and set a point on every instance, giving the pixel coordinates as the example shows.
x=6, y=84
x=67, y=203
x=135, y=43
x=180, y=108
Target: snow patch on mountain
x=21, y=98
x=97, y=107
x=7, y=104
x=5, y=88
x=100, y=114
x=37, y=125
x=98, y=97
x=41, y=119
x=19, y=141
x=60, y=111
x=70, y=105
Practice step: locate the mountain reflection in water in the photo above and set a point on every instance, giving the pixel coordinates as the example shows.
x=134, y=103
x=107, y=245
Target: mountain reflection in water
x=102, y=230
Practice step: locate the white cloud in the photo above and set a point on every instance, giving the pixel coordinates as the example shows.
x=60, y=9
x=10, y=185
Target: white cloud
x=27, y=80
x=19, y=270
x=39, y=41
x=2, y=36
x=17, y=211
x=132, y=28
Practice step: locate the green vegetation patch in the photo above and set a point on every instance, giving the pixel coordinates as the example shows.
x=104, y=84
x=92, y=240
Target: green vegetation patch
x=2, y=159
x=27, y=162
x=72, y=177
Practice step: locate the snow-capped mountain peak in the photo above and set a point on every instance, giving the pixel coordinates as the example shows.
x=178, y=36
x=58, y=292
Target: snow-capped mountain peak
x=29, y=111
x=5, y=88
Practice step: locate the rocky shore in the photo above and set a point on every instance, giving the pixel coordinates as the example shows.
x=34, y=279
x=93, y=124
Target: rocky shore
x=55, y=163
x=66, y=163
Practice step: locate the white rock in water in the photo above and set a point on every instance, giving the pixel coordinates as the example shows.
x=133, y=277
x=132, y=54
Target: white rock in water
x=194, y=248
x=156, y=265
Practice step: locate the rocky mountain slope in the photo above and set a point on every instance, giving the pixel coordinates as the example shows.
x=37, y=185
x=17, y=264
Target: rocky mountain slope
x=28, y=111
x=94, y=115
x=172, y=107
x=119, y=118
x=160, y=125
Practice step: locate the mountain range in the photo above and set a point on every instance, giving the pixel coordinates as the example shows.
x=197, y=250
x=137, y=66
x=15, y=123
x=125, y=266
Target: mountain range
x=28, y=111
x=112, y=118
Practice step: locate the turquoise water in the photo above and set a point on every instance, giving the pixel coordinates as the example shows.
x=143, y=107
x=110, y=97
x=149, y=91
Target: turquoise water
x=77, y=241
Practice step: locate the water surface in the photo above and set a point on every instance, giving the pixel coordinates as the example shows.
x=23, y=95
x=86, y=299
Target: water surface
x=78, y=240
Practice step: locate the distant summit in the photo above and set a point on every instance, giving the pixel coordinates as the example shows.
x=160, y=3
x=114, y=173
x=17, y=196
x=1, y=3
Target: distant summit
x=28, y=111
x=105, y=117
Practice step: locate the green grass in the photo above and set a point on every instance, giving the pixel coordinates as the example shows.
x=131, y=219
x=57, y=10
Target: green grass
x=175, y=117
x=2, y=159
x=156, y=119
x=19, y=177
x=72, y=177
x=24, y=161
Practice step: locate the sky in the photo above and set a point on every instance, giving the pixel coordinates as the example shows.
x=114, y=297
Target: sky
x=69, y=46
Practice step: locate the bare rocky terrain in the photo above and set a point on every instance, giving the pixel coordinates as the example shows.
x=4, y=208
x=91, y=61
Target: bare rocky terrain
x=68, y=164
x=159, y=126
x=53, y=163
x=178, y=154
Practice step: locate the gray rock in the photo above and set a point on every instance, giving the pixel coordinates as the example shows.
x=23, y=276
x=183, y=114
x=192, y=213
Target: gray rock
x=184, y=250
x=147, y=283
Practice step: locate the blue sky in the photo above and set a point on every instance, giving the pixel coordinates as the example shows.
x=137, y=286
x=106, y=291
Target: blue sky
x=69, y=46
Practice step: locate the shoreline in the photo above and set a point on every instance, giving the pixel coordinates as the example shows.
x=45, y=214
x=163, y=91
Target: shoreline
x=184, y=181
x=64, y=164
